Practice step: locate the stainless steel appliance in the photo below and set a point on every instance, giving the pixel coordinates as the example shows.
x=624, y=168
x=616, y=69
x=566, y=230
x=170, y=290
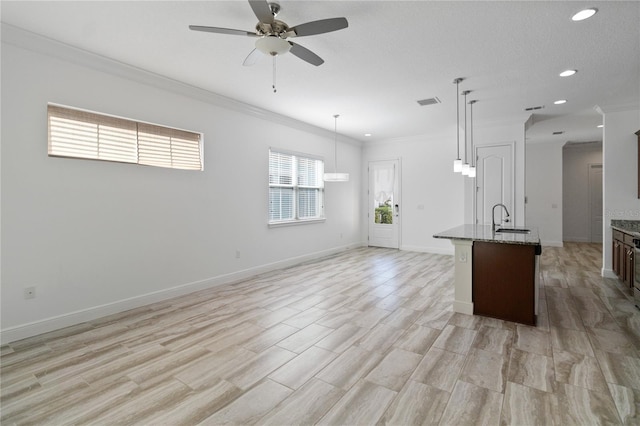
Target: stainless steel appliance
x=636, y=278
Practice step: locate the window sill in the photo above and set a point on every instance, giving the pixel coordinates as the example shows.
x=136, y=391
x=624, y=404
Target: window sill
x=295, y=222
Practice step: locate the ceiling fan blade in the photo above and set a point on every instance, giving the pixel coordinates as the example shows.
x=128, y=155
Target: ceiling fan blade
x=305, y=54
x=262, y=10
x=253, y=58
x=222, y=30
x=320, y=27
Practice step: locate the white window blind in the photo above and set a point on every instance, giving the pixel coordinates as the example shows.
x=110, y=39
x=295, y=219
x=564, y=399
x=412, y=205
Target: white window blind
x=82, y=134
x=296, y=188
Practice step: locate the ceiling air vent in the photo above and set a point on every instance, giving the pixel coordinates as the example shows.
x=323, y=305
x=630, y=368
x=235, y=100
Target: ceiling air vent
x=534, y=108
x=430, y=101
x=558, y=133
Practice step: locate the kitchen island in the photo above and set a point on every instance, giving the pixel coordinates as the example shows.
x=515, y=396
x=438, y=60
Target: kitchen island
x=496, y=273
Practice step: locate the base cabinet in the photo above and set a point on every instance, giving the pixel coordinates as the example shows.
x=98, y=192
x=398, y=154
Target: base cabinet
x=623, y=257
x=504, y=281
x=629, y=263
x=616, y=254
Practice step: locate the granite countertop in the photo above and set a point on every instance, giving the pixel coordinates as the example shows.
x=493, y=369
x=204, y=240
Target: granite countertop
x=629, y=226
x=484, y=233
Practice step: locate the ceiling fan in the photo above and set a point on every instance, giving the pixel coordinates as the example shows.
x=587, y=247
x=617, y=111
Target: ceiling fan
x=272, y=33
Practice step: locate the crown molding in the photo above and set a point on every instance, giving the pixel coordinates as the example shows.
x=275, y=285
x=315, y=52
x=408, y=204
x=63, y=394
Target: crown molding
x=34, y=42
x=608, y=109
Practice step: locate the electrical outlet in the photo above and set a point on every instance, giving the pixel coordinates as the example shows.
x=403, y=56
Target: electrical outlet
x=463, y=258
x=30, y=293
x=237, y=254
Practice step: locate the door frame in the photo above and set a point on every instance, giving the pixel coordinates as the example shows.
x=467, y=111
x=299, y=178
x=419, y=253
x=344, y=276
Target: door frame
x=512, y=146
x=398, y=199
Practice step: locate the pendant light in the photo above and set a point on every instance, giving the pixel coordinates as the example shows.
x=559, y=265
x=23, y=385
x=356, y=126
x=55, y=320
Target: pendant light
x=465, y=165
x=457, y=163
x=472, y=167
x=335, y=176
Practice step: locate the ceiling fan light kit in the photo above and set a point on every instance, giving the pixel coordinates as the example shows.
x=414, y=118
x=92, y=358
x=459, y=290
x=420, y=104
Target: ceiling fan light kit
x=272, y=45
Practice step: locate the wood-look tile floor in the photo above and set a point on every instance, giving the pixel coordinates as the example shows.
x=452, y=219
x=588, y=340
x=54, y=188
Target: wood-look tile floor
x=367, y=336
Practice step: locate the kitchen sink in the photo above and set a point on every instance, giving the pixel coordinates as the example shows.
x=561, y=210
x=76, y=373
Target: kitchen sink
x=513, y=231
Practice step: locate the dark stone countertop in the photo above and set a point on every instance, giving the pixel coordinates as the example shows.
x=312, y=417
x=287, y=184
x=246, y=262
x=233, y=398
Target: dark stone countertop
x=484, y=233
x=628, y=226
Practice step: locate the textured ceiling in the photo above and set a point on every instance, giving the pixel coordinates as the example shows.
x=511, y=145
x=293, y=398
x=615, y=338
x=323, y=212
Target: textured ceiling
x=393, y=54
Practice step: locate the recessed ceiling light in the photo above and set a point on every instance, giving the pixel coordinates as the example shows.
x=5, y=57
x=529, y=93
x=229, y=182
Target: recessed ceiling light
x=600, y=126
x=568, y=73
x=560, y=101
x=584, y=14
x=367, y=134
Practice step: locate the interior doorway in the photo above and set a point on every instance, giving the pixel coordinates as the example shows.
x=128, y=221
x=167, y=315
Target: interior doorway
x=384, y=204
x=582, y=205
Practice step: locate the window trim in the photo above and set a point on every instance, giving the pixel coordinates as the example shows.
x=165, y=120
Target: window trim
x=295, y=221
x=142, y=145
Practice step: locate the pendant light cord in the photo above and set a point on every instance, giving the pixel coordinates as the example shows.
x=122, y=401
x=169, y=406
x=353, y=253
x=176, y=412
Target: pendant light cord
x=457, y=82
x=458, y=115
x=335, y=148
x=274, y=74
x=465, y=93
x=471, y=132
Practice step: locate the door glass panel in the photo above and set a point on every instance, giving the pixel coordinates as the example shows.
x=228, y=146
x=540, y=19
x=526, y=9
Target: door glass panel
x=383, y=184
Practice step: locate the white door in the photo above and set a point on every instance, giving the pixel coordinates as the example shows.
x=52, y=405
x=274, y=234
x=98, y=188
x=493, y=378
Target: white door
x=494, y=182
x=595, y=202
x=384, y=203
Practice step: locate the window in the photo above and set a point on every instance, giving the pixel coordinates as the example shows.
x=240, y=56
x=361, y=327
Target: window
x=82, y=134
x=296, y=188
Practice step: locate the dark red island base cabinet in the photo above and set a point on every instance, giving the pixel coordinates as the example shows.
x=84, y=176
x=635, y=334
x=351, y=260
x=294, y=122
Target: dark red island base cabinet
x=504, y=281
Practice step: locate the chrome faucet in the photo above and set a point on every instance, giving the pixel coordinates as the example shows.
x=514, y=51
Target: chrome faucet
x=493, y=215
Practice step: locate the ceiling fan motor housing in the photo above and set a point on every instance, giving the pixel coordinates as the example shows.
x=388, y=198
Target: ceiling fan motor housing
x=277, y=28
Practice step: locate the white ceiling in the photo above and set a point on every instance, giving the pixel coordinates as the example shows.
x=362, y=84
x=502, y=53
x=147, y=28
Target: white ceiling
x=393, y=54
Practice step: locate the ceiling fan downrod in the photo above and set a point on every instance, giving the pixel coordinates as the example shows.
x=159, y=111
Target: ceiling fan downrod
x=275, y=9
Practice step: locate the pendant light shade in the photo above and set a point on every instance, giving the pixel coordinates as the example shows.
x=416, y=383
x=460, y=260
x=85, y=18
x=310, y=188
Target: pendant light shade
x=457, y=163
x=335, y=176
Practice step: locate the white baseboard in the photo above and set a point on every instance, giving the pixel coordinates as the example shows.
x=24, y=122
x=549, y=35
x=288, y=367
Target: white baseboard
x=577, y=239
x=608, y=273
x=463, y=307
x=434, y=250
x=552, y=243
x=46, y=325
